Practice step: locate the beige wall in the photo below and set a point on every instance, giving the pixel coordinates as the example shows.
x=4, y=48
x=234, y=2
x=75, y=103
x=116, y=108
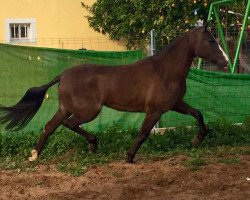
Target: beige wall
x=59, y=24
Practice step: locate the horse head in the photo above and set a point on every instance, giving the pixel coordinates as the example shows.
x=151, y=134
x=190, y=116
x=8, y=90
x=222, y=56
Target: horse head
x=208, y=48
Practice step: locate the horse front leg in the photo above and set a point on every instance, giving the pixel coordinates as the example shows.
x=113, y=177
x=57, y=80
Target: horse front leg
x=184, y=108
x=148, y=123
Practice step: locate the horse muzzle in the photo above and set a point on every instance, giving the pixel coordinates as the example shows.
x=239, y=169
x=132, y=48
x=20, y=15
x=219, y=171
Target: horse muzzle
x=222, y=64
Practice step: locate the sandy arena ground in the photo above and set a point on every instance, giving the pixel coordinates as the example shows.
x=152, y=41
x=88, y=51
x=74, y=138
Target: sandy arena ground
x=164, y=179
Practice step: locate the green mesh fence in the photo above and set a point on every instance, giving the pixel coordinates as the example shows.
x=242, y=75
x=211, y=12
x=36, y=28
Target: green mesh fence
x=215, y=94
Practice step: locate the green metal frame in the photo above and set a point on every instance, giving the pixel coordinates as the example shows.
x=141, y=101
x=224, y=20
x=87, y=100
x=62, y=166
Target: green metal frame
x=213, y=9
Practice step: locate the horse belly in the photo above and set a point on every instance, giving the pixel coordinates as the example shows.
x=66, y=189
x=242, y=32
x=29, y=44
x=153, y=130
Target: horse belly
x=124, y=101
x=124, y=96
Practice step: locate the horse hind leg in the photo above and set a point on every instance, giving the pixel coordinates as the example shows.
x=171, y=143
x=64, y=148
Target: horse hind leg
x=50, y=127
x=73, y=124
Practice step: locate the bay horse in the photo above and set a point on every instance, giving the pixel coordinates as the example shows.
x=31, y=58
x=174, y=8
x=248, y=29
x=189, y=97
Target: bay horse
x=153, y=86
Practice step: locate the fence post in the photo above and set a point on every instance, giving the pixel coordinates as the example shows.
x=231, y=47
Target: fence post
x=152, y=43
x=153, y=52
x=242, y=32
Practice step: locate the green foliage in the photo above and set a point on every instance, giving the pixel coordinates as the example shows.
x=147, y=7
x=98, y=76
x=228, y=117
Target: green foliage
x=133, y=19
x=116, y=142
x=179, y=138
x=70, y=152
x=196, y=161
x=230, y=132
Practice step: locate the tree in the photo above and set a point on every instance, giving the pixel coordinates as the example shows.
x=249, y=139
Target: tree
x=132, y=20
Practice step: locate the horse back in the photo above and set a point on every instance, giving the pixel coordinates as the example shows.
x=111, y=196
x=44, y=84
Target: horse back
x=121, y=87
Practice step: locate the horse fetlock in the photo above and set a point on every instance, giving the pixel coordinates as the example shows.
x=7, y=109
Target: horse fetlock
x=130, y=158
x=34, y=155
x=92, y=147
x=198, y=139
x=93, y=140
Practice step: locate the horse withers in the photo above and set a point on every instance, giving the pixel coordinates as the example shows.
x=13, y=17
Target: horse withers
x=153, y=86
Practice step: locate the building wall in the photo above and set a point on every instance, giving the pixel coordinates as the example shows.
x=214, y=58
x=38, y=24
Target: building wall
x=59, y=24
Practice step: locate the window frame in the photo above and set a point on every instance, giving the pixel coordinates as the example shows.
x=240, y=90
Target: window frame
x=30, y=32
x=19, y=32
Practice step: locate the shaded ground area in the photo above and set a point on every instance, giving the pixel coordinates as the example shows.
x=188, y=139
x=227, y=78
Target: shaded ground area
x=163, y=179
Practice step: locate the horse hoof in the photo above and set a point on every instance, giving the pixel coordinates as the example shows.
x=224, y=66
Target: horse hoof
x=34, y=155
x=196, y=142
x=92, y=148
x=130, y=159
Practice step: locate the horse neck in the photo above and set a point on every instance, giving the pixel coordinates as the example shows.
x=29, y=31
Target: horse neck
x=177, y=59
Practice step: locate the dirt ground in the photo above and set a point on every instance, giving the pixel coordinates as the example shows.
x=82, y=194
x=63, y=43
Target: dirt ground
x=164, y=179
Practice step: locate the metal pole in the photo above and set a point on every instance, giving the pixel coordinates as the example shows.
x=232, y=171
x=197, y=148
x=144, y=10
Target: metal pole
x=152, y=42
x=209, y=17
x=222, y=37
x=153, y=52
x=243, y=28
x=220, y=2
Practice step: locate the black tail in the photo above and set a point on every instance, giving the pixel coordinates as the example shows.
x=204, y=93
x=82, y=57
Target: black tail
x=19, y=115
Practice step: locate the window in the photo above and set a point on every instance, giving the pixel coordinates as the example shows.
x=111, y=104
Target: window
x=20, y=30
